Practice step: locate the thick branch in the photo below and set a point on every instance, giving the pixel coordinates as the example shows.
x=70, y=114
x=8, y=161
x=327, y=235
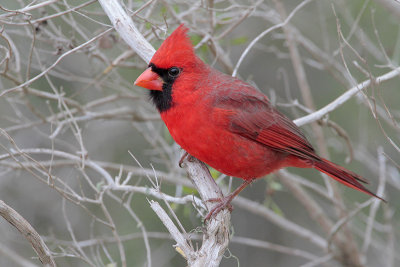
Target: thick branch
x=23, y=226
x=216, y=235
x=125, y=27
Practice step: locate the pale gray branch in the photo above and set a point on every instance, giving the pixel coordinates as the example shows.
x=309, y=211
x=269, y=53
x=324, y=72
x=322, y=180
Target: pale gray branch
x=319, y=114
x=30, y=234
x=128, y=31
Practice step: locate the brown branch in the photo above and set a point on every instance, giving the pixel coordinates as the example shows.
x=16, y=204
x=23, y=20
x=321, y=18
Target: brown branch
x=23, y=226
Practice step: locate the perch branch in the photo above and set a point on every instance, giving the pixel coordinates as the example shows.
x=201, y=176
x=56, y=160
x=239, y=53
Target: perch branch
x=216, y=235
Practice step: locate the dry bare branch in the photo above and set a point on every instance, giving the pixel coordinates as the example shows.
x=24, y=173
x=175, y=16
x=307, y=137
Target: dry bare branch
x=30, y=234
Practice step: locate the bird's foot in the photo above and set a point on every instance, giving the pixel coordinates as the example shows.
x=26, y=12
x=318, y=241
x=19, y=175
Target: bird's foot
x=225, y=202
x=222, y=203
x=186, y=155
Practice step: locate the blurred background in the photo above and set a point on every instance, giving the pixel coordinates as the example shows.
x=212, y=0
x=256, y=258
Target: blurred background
x=71, y=122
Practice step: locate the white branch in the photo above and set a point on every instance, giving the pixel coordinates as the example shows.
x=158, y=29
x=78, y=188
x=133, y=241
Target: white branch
x=125, y=27
x=261, y=35
x=343, y=98
x=157, y=194
x=172, y=229
x=216, y=236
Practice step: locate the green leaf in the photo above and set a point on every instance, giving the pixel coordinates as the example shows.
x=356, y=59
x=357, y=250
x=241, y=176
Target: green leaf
x=176, y=8
x=188, y=190
x=239, y=40
x=163, y=10
x=275, y=186
x=148, y=25
x=276, y=209
x=195, y=39
x=99, y=185
x=214, y=173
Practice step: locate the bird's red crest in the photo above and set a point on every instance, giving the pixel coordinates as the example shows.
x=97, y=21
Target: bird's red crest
x=176, y=50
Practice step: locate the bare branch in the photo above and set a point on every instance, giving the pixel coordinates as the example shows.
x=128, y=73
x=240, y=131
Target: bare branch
x=319, y=114
x=125, y=27
x=30, y=234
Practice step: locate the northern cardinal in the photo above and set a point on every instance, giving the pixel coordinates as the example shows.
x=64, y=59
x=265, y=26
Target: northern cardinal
x=226, y=122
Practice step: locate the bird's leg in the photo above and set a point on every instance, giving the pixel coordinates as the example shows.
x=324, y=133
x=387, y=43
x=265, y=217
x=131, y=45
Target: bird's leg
x=225, y=202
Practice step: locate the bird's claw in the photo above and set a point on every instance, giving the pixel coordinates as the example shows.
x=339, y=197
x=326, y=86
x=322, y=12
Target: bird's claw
x=186, y=155
x=182, y=159
x=223, y=203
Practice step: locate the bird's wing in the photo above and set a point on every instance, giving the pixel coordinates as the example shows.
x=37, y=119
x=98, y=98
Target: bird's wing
x=251, y=115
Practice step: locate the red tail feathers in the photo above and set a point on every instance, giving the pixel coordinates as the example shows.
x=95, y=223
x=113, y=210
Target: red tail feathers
x=344, y=176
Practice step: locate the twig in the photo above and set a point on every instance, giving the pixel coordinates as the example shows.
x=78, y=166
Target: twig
x=319, y=261
x=261, y=35
x=339, y=224
x=172, y=229
x=319, y=114
x=262, y=211
x=30, y=234
x=376, y=203
x=30, y=81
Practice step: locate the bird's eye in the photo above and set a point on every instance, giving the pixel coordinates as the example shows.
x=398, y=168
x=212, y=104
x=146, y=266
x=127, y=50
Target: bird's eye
x=174, y=72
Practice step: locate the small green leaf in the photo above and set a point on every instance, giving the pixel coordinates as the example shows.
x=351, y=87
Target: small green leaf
x=188, y=190
x=148, y=25
x=195, y=39
x=163, y=10
x=276, y=209
x=239, y=40
x=176, y=8
x=214, y=173
x=174, y=206
x=275, y=186
x=99, y=185
x=269, y=203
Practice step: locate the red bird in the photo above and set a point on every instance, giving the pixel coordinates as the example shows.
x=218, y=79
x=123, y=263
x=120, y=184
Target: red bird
x=226, y=122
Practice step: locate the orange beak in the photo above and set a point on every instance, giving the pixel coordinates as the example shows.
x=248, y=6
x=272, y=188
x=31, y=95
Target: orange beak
x=149, y=80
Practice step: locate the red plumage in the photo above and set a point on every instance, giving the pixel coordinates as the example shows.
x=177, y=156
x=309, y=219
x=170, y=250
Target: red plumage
x=224, y=121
